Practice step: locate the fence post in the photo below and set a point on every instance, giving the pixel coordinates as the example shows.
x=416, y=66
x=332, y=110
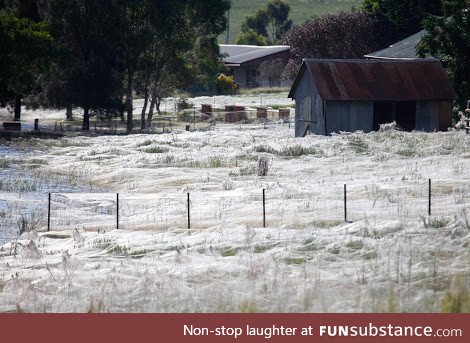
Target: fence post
x=189, y=215
x=117, y=211
x=49, y=213
x=429, y=197
x=264, y=209
x=345, y=204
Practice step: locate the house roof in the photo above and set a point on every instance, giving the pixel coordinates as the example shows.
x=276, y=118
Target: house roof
x=404, y=49
x=377, y=80
x=239, y=54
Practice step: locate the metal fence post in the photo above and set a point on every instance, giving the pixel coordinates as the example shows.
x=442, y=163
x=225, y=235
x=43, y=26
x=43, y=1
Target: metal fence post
x=345, y=205
x=189, y=215
x=117, y=211
x=49, y=213
x=429, y=197
x=264, y=208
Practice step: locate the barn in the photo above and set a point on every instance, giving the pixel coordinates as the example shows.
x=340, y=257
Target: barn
x=350, y=95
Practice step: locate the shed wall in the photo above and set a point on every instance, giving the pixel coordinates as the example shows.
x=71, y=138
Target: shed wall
x=349, y=116
x=427, y=116
x=433, y=115
x=308, y=108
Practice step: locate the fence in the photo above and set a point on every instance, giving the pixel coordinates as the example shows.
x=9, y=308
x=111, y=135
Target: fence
x=324, y=206
x=191, y=119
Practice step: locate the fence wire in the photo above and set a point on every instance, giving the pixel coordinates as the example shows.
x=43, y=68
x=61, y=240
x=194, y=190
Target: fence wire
x=321, y=207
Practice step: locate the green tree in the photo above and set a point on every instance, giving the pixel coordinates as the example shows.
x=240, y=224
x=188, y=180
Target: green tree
x=250, y=37
x=167, y=30
x=272, y=22
x=22, y=8
x=86, y=72
x=278, y=23
x=401, y=18
x=24, y=55
x=448, y=37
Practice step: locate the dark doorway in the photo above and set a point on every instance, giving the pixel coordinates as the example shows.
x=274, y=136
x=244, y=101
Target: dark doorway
x=383, y=113
x=406, y=115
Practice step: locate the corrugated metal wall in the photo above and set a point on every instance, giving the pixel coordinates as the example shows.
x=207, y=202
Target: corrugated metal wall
x=427, y=116
x=308, y=107
x=433, y=115
x=349, y=116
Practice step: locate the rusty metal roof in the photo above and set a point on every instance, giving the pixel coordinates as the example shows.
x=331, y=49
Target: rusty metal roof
x=378, y=80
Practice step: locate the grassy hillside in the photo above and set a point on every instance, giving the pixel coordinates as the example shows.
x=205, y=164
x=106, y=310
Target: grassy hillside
x=301, y=10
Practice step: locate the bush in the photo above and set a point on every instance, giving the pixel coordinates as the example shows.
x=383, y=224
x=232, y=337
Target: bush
x=225, y=84
x=340, y=35
x=250, y=37
x=184, y=104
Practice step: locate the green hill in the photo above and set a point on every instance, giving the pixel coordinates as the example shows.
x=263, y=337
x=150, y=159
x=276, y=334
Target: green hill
x=301, y=10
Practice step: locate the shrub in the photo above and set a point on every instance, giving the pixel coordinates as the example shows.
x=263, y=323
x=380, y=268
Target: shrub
x=225, y=84
x=250, y=37
x=156, y=150
x=184, y=104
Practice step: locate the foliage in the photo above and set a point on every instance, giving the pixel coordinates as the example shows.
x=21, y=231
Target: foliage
x=301, y=10
x=272, y=22
x=22, y=9
x=341, y=35
x=225, y=84
x=448, y=38
x=206, y=62
x=457, y=300
x=250, y=37
x=271, y=71
x=24, y=54
x=182, y=49
x=85, y=72
x=109, y=50
x=401, y=18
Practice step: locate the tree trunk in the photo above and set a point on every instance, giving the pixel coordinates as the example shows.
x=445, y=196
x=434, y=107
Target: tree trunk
x=68, y=113
x=130, y=124
x=158, y=101
x=86, y=119
x=152, y=106
x=144, y=108
x=17, y=108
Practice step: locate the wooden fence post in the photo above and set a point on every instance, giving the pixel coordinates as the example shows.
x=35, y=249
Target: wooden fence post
x=49, y=213
x=264, y=209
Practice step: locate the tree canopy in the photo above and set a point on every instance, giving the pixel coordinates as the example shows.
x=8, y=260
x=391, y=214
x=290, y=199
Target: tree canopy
x=448, y=37
x=250, y=37
x=101, y=53
x=271, y=22
x=341, y=35
x=401, y=18
x=23, y=56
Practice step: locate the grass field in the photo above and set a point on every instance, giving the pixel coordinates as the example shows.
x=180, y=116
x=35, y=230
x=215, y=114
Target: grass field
x=301, y=10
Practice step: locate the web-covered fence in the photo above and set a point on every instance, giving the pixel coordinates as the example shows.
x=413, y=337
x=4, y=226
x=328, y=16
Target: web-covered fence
x=320, y=205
